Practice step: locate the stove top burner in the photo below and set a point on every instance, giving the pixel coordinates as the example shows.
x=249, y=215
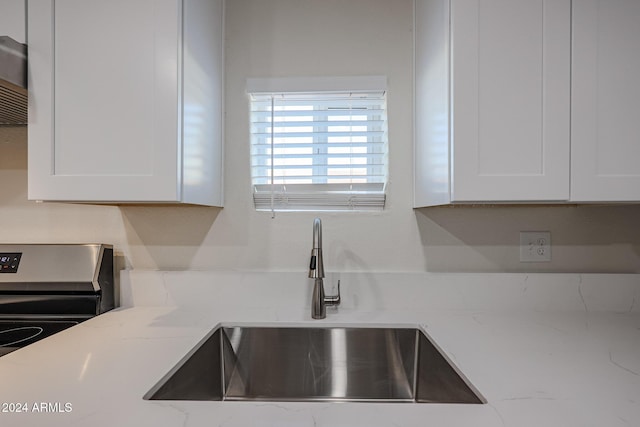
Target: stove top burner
x=11, y=337
x=15, y=334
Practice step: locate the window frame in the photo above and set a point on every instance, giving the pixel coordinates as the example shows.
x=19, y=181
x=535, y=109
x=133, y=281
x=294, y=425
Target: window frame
x=327, y=196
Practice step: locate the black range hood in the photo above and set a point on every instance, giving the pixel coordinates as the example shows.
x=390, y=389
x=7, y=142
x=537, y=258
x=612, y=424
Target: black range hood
x=13, y=82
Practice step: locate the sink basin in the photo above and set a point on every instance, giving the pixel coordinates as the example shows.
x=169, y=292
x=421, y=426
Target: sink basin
x=360, y=364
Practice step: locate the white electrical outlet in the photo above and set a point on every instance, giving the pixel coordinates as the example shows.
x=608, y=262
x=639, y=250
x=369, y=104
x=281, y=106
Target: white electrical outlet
x=535, y=246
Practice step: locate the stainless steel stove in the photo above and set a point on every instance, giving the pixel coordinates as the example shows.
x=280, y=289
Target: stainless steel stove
x=46, y=288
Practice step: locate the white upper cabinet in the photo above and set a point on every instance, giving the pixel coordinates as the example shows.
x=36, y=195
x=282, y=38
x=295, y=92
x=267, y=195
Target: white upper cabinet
x=492, y=99
x=605, y=116
x=126, y=101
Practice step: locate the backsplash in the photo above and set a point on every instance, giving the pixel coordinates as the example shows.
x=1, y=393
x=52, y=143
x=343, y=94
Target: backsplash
x=288, y=294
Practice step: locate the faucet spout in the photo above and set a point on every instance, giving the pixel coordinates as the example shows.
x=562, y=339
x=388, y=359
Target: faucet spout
x=319, y=301
x=317, y=233
x=316, y=265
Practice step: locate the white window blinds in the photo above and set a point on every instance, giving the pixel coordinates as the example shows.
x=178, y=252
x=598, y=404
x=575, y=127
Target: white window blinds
x=321, y=150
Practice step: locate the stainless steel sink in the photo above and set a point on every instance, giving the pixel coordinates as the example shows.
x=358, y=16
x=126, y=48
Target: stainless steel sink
x=255, y=363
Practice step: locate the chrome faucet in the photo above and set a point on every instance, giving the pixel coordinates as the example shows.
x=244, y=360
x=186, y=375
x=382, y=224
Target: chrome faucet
x=316, y=271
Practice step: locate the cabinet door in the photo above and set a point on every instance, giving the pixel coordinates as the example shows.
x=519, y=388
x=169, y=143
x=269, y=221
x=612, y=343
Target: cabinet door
x=510, y=100
x=104, y=115
x=605, y=133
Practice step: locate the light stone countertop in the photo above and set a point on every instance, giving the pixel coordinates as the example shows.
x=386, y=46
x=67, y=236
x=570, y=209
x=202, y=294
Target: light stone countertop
x=544, y=350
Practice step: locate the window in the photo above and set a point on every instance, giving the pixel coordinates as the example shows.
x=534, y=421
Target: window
x=319, y=149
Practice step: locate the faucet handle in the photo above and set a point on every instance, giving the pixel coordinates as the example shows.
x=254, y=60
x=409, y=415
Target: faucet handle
x=333, y=299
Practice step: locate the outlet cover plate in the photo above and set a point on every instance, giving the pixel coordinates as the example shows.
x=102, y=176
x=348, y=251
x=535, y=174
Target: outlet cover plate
x=535, y=246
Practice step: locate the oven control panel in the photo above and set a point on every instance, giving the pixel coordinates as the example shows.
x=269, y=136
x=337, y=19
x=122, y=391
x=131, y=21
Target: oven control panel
x=9, y=262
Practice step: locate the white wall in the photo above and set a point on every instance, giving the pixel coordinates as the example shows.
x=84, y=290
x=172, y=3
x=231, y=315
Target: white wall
x=275, y=38
x=13, y=20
